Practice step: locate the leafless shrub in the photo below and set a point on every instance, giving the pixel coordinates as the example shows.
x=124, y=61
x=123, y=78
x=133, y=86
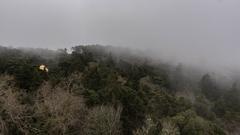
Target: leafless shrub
x=151, y=128
x=103, y=121
x=169, y=128
x=4, y=81
x=148, y=129
x=73, y=83
x=3, y=127
x=60, y=110
x=14, y=110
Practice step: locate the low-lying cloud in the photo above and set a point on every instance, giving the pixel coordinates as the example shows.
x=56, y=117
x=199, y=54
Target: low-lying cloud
x=200, y=32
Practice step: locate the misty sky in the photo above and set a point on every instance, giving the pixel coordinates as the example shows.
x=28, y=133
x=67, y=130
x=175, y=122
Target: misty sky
x=196, y=31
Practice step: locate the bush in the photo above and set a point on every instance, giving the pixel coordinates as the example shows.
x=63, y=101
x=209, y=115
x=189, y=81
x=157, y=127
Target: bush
x=191, y=124
x=60, y=112
x=103, y=121
x=169, y=128
x=14, y=116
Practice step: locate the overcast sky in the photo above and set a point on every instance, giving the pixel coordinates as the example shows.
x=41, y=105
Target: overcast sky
x=197, y=31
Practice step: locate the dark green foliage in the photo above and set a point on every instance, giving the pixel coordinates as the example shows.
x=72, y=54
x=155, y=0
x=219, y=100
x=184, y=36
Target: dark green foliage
x=26, y=74
x=229, y=106
x=191, y=124
x=23, y=66
x=204, y=108
x=232, y=99
x=163, y=105
x=93, y=80
x=209, y=88
x=133, y=108
x=114, y=93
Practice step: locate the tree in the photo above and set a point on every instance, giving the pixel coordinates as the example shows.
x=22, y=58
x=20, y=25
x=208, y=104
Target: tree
x=204, y=108
x=26, y=74
x=178, y=80
x=191, y=124
x=232, y=99
x=56, y=111
x=162, y=105
x=169, y=128
x=103, y=120
x=209, y=88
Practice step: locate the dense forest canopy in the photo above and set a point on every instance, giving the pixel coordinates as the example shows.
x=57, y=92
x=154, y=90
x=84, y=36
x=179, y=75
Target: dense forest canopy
x=105, y=90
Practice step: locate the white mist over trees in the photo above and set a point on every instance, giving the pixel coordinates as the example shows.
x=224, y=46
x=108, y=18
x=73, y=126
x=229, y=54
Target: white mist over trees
x=201, y=32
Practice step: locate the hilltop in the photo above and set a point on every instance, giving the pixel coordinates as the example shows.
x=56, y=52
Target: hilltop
x=111, y=91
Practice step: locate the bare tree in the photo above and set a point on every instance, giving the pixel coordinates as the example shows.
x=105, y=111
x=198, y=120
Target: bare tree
x=104, y=120
x=14, y=110
x=60, y=110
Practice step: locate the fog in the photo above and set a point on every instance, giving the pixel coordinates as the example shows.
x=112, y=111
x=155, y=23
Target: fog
x=203, y=33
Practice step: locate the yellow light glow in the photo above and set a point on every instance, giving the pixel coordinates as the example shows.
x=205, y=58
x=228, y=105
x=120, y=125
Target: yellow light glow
x=43, y=68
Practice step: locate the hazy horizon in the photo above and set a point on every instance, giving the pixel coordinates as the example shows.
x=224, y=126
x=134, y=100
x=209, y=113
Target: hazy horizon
x=199, y=32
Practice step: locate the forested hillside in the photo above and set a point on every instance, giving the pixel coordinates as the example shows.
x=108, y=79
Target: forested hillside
x=104, y=90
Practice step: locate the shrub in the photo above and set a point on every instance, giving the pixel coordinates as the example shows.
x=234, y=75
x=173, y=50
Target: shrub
x=103, y=120
x=60, y=112
x=14, y=116
x=150, y=128
x=169, y=128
